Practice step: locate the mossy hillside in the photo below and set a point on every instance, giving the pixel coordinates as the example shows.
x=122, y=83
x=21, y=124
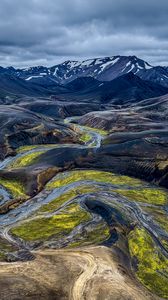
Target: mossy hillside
x=165, y=243
x=85, y=138
x=97, y=130
x=97, y=235
x=26, y=148
x=15, y=188
x=54, y=226
x=97, y=176
x=91, y=129
x=26, y=160
x=152, y=265
x=147, y=195
x=67, y=196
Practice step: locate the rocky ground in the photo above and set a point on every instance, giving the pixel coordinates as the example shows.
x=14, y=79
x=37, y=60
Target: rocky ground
x=87, y=273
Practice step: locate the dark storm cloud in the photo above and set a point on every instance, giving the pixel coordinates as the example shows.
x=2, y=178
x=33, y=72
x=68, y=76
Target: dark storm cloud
x=46, y=32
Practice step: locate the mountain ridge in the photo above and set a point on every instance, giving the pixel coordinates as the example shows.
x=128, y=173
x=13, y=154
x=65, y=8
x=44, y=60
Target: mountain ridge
x=102, y=69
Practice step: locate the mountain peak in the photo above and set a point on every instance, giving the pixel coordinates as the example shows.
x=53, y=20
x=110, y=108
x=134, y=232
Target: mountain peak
x=102, y=69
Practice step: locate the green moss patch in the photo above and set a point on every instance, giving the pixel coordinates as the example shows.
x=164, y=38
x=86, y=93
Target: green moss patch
x=147, y=195
x=165, y=243
x=26, y=148
x=54, y=226
x=99, y=131
x=26, y=160
x=152, y=265
x=98, y=176
x=15, y=187
x=85, y=138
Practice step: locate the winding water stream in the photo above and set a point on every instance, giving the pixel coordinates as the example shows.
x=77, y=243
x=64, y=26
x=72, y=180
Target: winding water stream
x=106, y=194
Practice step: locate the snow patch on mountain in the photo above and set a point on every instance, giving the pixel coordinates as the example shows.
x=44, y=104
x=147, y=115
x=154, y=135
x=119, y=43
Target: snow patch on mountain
x=35, y=76
x=108, y=64
x=147, y=66
x=86, y=63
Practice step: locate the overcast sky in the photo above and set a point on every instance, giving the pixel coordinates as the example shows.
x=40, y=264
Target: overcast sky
x=46, y=32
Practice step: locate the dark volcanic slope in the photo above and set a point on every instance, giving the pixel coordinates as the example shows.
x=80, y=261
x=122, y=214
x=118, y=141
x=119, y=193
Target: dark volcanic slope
x=122, y=90
x=141, y=155
x=83, y=84
x=55, y=108
x=129, y=88
x=146, y=114
x=11, y=87
x=19, y=127
x=154, y=108
x=15, y=86
x=138, y=140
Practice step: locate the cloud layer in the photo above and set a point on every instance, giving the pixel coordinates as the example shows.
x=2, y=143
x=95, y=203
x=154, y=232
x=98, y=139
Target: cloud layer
x=40, y=32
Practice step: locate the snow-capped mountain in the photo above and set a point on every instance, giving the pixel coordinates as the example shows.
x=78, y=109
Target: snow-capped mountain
x=102, y=69
x=109, y=68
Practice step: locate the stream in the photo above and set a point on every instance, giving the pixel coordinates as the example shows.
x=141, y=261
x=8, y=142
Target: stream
x=106, y=195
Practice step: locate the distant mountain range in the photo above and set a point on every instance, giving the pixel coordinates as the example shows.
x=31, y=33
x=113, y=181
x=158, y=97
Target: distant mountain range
x=102, y=69
x=118, y=78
